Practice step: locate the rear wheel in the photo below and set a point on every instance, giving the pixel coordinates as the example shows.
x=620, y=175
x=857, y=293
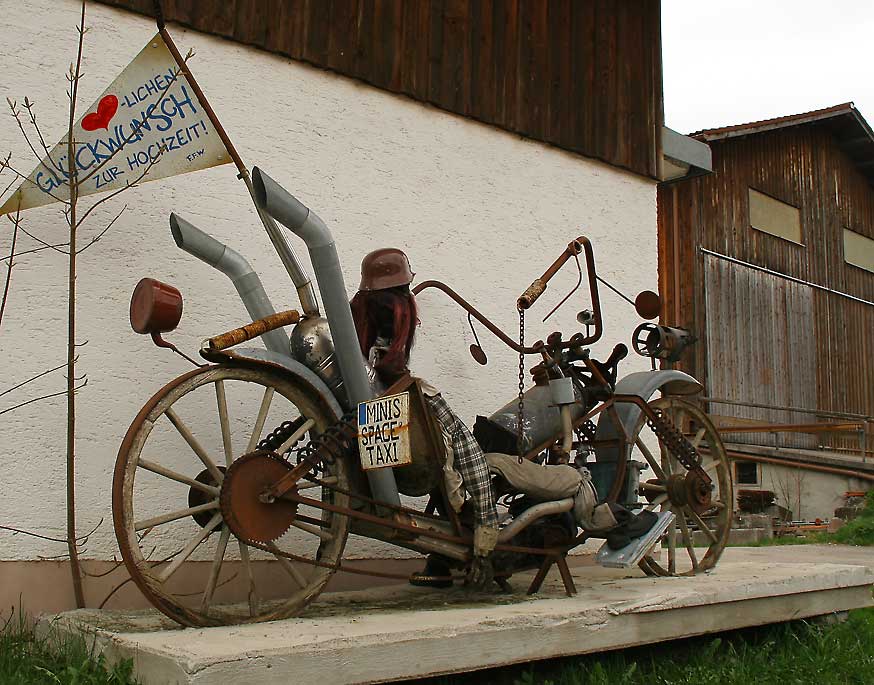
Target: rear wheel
x=703, y=511
x=174, y=512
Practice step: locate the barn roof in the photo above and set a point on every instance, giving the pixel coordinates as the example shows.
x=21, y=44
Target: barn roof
x=852, y=133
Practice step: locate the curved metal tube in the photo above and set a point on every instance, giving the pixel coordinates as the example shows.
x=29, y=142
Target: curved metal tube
x=289, y=211
x=233, y=265
x=530, y=515
x=535, y=290
x=470, y=309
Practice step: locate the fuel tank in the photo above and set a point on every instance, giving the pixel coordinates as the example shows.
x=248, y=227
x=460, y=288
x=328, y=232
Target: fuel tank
x=541, y=421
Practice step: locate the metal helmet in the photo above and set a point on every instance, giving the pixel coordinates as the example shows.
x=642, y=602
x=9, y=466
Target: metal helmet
x=385, y=268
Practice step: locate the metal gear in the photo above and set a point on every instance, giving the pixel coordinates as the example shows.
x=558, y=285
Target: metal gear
x=246, y=515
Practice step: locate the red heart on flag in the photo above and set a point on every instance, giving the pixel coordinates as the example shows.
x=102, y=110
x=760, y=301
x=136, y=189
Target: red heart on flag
x=105, y=111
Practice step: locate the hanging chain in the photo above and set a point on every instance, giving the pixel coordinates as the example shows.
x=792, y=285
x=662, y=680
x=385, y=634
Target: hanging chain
x=520, y=438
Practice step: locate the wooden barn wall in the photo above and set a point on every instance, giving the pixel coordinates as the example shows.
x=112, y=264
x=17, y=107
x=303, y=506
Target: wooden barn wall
x=802, y=166
x=584, y=75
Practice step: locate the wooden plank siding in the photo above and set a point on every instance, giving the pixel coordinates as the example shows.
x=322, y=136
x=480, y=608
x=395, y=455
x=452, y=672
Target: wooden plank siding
x=584, y=75
x=802, y=166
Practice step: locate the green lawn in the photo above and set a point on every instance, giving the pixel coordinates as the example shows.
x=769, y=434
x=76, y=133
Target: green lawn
x=786, y=654
x=26, y=659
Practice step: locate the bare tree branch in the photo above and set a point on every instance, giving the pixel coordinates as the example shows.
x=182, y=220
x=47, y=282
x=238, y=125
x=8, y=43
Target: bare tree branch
x=32, y=378
x=42, y=242
x=16, y=113
x=43, y=397
x=103, y=232
x=36, y=249
x=16, y=223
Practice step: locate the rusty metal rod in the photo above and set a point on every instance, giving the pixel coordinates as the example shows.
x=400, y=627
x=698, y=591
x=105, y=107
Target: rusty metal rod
x=470, y=309
x=289, y=260
x=741, y=456
x=794, y=428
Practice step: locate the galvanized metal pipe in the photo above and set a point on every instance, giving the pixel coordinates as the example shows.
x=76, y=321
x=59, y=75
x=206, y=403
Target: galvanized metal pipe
x=289, y=211
x=532, y=514
x=231, y=263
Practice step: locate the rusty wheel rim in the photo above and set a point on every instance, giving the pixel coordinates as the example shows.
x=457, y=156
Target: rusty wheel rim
x=697, y=538
x=202, y=575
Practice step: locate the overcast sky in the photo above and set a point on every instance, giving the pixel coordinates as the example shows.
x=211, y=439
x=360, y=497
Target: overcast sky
x=734, y=61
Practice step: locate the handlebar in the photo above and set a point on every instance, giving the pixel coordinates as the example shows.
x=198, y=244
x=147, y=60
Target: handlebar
x=538, y=286
x=536, y=289
x=252, y=330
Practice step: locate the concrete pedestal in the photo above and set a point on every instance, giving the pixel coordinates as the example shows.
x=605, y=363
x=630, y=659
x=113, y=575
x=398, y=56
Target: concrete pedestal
x=400, y=632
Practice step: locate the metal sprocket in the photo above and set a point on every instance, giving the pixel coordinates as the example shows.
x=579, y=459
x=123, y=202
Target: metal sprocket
x=250, y=519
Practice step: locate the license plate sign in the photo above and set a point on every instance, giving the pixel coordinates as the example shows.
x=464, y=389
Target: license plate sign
x=384, y=432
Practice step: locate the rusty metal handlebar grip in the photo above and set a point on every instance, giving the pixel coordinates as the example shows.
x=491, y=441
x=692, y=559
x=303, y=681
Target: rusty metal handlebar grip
x=530, y=296
x=252, y=330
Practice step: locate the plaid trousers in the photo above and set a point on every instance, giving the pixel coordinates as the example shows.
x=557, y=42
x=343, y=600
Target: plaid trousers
x=469, y=461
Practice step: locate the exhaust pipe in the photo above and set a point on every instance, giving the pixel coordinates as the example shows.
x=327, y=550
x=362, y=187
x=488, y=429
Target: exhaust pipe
x=234, y=266
x=287, y=210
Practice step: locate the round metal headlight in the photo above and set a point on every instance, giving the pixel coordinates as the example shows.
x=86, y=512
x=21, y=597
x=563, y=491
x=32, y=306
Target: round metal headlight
x=155, y=307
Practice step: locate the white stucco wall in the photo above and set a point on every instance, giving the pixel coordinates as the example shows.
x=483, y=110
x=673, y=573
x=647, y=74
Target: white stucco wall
x=479, y=208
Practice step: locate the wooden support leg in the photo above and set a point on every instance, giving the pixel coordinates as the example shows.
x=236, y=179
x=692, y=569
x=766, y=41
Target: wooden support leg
x=566, y=576
x=541, y=575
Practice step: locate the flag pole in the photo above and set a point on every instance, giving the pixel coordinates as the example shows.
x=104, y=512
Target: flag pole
x=296, y=272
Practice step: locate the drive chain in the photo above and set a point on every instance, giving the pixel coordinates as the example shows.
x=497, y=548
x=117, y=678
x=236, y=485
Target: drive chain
x=674, y=440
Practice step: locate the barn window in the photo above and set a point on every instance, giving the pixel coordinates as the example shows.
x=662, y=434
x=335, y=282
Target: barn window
x=772, y=216
x=746, y=473
x=858, y=250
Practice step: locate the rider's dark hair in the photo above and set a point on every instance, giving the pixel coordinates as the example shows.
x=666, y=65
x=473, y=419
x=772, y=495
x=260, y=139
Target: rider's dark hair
x=389, y=314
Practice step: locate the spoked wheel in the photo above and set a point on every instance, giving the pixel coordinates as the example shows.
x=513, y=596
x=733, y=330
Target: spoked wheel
x=703, y=512
x=174, y=509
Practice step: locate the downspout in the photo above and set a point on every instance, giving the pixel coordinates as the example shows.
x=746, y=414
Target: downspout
x=234, y=266
x=287, y=210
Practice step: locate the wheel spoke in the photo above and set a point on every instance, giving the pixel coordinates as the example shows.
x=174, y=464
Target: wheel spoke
x=196, y=447
x=309, y=423
x=222, y=402
x=687, y=539
x=175, y=515
x=287, y=566
x=193, y=544
x=215, y=569
x=713, y=466
x=656, y=469
x=252, y=593
x=672, y=548
x=661, y=499
x=698, y=436
x=262, y=417
x=703, y=526
x=172, y=475
x=324, y=535
x=330, y=480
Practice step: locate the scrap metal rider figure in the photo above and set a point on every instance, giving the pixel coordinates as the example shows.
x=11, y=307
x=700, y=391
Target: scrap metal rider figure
x=385, y=317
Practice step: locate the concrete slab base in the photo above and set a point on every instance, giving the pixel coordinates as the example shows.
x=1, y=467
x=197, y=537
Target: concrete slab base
x=402, y=632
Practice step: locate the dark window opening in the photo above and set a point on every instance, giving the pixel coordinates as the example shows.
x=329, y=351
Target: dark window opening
x=746, y=473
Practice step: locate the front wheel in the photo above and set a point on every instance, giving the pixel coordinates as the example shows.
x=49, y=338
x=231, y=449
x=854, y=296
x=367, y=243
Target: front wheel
x=703, y=511
x=170, y=503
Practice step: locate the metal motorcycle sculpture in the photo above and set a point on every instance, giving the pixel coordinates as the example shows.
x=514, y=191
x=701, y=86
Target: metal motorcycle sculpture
x=244, y=515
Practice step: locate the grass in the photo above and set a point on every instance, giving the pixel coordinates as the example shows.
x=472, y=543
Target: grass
x=784, y=654
x=859, y=532
x=28, y=658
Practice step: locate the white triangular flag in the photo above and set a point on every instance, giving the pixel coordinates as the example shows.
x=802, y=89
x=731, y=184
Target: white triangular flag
x=150, y=113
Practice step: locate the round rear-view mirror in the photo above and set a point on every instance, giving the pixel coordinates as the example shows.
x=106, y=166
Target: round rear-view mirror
x=648, y=304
